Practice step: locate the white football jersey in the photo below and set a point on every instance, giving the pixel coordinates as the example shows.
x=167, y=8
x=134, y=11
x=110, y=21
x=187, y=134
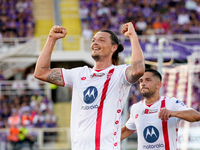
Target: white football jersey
x=98, y=98
x=152, y=132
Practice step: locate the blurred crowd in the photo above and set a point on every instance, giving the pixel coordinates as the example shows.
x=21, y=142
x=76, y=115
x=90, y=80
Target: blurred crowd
x=16, y=18
x=148, y=16
x=32, y=111
x=21, y=113
x=27, y=105
x=24, y=110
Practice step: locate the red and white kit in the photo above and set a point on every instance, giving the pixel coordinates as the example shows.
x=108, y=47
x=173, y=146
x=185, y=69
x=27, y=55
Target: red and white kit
x=97, y=102
x=153, y=133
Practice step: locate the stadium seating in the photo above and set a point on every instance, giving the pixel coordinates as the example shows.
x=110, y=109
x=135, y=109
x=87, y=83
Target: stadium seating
x=70, y=20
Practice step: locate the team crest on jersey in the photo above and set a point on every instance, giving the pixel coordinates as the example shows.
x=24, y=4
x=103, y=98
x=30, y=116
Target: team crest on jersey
x=149, y=111
x=151, y=134
x=90, y=94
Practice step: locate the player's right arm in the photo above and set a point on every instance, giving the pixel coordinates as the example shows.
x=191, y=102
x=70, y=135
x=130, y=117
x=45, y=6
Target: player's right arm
x=125, y=132
x=43, y=70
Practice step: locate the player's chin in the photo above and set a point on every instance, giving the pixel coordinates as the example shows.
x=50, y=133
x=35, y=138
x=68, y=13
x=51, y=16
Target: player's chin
x=95, y=56
x=144, y=90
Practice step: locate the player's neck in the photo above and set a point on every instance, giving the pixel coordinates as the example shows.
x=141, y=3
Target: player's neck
x=152, y=99
x=101, y=65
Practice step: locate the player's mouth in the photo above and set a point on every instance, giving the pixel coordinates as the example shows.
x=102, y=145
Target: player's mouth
x=96, y=49
x=143, y=88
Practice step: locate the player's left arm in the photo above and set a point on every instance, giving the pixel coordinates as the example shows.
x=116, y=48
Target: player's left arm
x=137, y=68
x=125, y=132
x=190, y=115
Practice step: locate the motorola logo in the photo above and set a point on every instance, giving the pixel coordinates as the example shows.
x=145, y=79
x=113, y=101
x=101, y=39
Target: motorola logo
x=151, y=134
x=90, y=94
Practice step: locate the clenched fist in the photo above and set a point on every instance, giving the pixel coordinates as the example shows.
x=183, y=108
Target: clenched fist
x=128, y=29
x=164, y=114
x=58, y=32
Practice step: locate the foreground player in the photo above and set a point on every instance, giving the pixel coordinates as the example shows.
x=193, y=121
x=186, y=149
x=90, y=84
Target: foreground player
x=156, y=118
x=99, y=93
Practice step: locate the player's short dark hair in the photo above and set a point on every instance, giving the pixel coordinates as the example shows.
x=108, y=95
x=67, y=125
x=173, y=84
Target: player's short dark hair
x=155, y=73
x=120, y=48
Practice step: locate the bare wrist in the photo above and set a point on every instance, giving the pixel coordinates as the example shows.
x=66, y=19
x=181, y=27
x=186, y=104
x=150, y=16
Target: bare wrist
x=172, y=114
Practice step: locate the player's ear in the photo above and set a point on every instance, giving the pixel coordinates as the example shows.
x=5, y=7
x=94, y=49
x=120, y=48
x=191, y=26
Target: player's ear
x=159, y=84
x=114, y=48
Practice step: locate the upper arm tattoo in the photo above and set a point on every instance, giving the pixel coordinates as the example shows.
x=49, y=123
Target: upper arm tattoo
x=137, y=65
x=55, y=77
x=134, y=68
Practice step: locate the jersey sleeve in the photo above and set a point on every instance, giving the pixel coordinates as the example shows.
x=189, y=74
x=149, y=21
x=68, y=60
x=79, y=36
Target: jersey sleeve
x=67, y=75
x=125, y=80
x=130, y=124
x=178, y=105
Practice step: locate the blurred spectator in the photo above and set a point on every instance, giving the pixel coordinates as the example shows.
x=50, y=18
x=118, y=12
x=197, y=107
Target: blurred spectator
x=36, y=99
x=33, y=83
x=157, y=25
x=93, y=13
x=198, y=7
x=113, y=18
x=5, y=115
x=146, y=11
x=190, y=4
x=18, y=87
x=104, y=21
x=25, y=136
x=141, y=25
x=20, y=6
x=45, y=104
x=103, y=10
x=83, y=12
x=186, y=29
x=16, y=102
x=39, y=120
x=25, y=108
x=1, y=75
x=96, y=25
x=13, y=137
x=1, y=121
x=183, y=17
x=3, y=139
x=87, y=32
x=166, y=26
x=14, y=119
x=50, y=119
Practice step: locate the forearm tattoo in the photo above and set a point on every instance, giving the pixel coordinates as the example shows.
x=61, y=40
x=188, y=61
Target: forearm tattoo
x=134, y=68
x=55, y=77
x=45, y=67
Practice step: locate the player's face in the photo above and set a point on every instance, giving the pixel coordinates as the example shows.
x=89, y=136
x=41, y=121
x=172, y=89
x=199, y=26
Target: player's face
x=101, y=46
x=149, y=84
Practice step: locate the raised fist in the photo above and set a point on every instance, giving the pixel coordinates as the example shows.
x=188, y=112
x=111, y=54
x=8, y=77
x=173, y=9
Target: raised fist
x=57, y=32
x=128, y=29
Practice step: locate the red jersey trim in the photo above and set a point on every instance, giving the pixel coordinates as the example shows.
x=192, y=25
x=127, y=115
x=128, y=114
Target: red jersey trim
x=165, y=129
x=62, y=78
x=126, y=76
x=100, y=111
